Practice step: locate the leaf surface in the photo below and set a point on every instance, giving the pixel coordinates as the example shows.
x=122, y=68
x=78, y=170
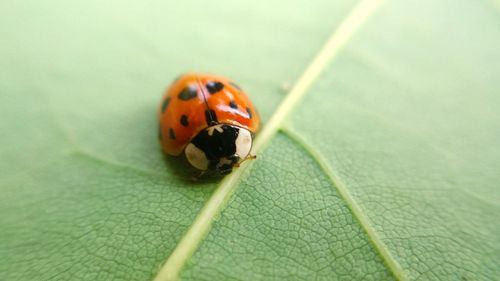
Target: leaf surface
x=86, y=191
x=386, y=168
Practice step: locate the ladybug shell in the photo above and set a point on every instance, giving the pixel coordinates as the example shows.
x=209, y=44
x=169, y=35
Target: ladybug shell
x=196, y=101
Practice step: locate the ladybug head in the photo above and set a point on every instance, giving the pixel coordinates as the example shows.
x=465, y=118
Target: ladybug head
x=219, y=148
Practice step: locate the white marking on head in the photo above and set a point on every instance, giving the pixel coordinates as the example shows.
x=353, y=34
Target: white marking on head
x=243, y=143
x=224, y=161
x=216, y=127
x=196, y=157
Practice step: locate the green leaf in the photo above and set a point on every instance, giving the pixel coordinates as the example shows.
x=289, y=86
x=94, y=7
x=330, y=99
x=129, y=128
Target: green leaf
x=380, y=163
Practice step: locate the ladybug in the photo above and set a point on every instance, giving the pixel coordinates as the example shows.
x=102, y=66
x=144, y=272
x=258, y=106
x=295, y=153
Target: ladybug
x=210, y=119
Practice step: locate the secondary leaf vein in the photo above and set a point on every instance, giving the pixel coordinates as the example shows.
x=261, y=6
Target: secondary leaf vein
x=363, y=220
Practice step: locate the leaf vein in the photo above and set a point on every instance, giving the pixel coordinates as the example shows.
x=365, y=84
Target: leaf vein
x=356, y=210
x=217, y=202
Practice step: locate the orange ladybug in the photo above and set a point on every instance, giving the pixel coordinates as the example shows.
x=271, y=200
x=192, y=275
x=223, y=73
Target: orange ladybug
x=209, y=118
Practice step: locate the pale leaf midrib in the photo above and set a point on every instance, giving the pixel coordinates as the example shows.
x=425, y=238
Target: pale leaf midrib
x=198, y=230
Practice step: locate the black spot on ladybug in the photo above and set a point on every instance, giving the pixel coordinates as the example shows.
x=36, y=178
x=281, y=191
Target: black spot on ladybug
x=210, y=117
x=184, y=120
x=214, y=87
x=233, y=105
x=249, y=111
x=188, y=93
x=164, y=105
x=234, y=85
x=171, y=133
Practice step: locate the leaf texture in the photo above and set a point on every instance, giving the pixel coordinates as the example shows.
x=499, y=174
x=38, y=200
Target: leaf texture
x=386, y=168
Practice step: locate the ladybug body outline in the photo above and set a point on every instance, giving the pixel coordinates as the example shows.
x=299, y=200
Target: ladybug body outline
x=210, y=119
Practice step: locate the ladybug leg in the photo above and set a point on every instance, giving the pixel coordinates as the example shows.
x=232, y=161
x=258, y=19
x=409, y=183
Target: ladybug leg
x=249, y=157
x=199, y=175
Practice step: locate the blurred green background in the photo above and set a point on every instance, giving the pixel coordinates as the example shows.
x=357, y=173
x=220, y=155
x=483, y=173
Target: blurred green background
x=387, y=169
